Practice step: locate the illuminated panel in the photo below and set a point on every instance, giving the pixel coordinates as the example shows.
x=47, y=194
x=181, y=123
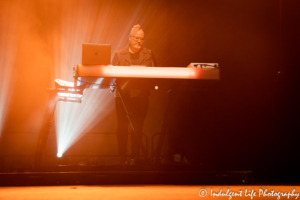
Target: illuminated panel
x=147, y=72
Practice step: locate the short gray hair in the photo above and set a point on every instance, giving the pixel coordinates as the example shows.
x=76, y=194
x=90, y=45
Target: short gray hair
x=135, y=29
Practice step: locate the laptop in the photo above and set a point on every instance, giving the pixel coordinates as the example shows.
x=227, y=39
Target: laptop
x=96, y=54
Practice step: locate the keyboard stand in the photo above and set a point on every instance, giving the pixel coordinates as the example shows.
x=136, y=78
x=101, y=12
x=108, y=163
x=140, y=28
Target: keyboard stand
x=130, y=116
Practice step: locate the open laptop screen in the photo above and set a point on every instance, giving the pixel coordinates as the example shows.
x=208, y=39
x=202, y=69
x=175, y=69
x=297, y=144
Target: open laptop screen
x=96, y=54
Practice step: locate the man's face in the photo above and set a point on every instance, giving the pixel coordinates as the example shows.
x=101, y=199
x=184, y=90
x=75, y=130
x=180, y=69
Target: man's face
x=136, y=41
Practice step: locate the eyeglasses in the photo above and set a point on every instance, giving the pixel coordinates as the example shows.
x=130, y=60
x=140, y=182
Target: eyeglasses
x=137, y=39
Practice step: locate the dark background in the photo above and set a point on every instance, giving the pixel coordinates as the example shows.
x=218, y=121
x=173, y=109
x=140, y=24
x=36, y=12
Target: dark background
x=249, y=121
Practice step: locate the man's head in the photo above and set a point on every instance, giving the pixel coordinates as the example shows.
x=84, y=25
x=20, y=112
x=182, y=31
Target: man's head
x=136, y=39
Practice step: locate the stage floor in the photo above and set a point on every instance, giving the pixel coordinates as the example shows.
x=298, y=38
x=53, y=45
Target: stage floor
x=143, y=192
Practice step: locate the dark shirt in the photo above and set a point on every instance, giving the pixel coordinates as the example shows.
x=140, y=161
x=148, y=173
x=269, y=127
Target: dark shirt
x=134, y=58
x=123, y=57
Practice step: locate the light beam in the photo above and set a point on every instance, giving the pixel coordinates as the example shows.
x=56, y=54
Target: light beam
x=89, y=22
x=8, y=31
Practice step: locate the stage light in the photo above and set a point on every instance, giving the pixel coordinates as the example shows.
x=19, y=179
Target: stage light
x=74, y=120
x=59, y=155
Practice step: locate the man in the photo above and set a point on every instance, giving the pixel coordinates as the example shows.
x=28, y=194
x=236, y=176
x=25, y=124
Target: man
x=133, y=54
